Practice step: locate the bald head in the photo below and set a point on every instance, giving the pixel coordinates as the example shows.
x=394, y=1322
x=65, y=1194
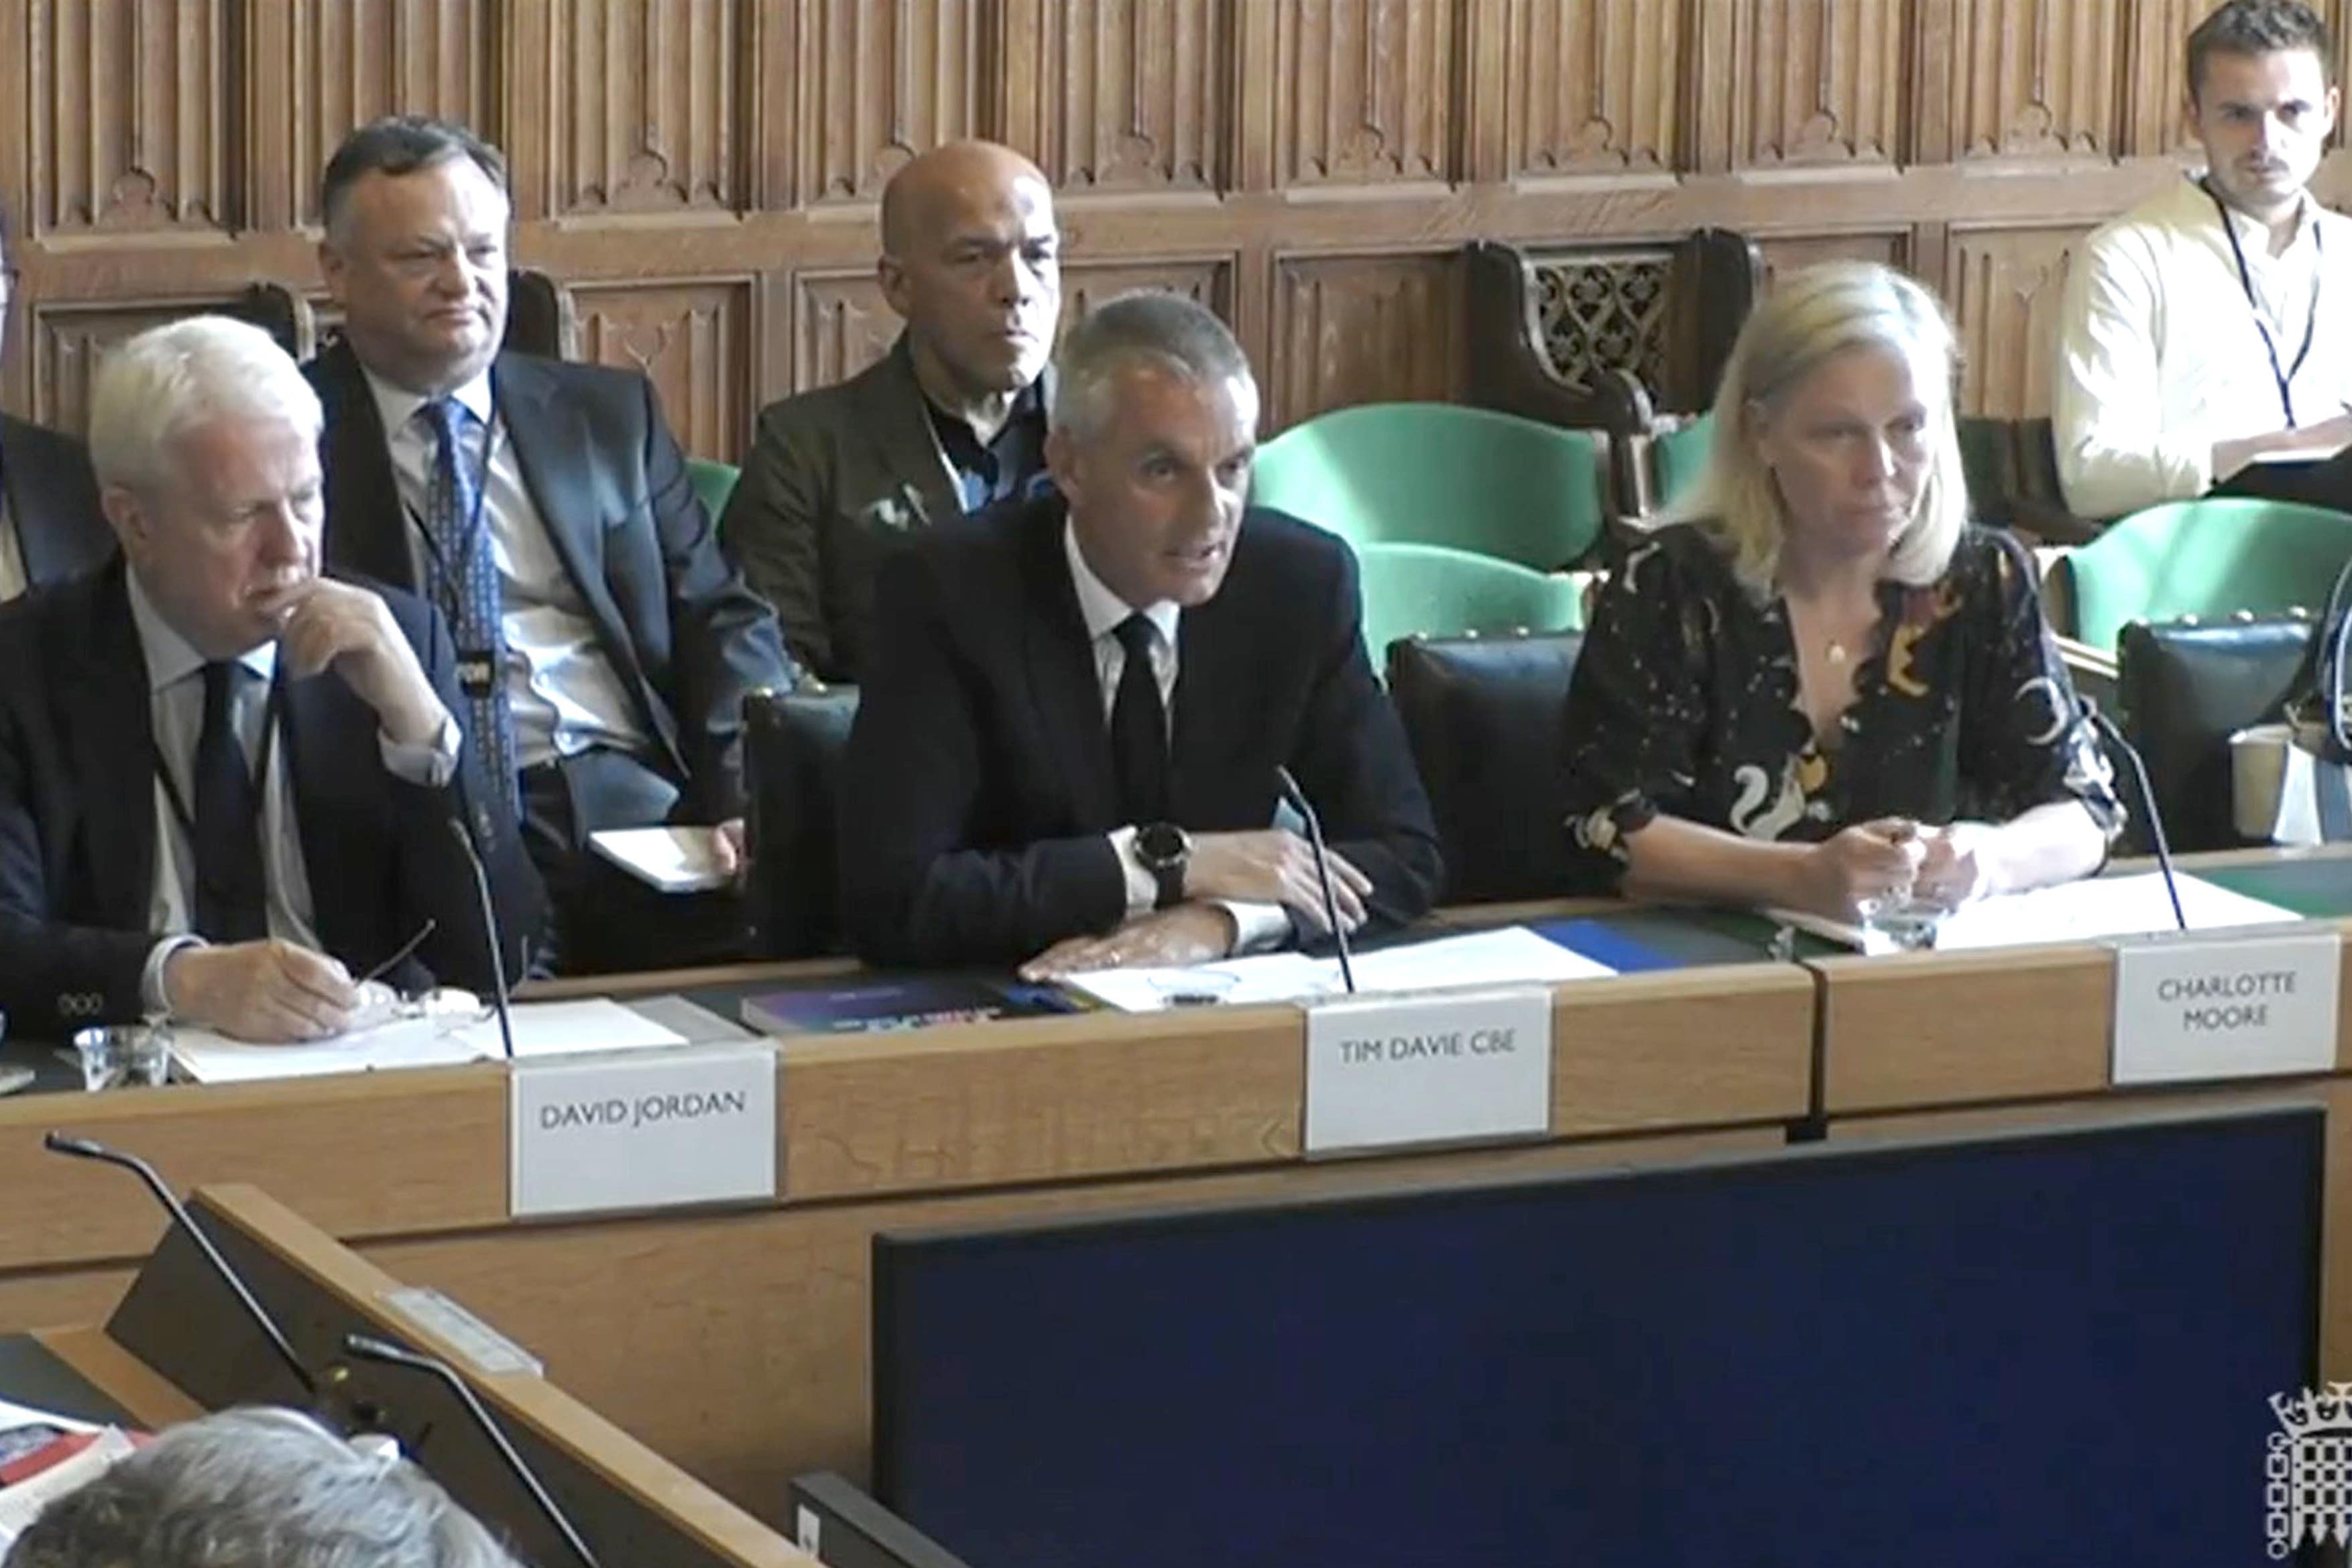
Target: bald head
x=972, y=260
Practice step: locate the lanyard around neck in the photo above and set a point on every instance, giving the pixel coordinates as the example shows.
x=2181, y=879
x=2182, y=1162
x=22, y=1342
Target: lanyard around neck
x=2283, y=378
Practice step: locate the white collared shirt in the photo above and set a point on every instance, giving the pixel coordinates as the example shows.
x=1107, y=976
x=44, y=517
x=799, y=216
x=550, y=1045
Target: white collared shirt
x=563, y=693
x=1256, y=926
x=175, y=698
x=2160, y=356
x=13, y=579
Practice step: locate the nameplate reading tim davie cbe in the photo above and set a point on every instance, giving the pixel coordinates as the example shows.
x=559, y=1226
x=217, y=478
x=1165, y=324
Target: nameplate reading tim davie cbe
x=651, y=1129
x=1430, y=1068
x=2226, y=1005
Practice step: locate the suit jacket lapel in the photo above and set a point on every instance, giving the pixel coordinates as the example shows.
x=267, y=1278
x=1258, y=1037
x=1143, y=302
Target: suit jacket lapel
x=102, y=710
x=1060, y=656
x=899, y=423
x=1213, y=680
x=553, y=447
x=367, y=529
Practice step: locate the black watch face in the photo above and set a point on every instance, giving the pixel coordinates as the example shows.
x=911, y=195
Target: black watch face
x=1160, y=844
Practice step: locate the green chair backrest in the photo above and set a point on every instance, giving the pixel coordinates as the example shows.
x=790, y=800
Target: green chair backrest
x=1432, y=473
x=2206, y=558
x=713, y=482
x=1677, y=459
x=1413, y=590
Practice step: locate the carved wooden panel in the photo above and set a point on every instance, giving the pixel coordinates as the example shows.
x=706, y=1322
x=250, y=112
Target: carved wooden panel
x=880, y=81
x=1208, y=279
x=1591, y=85
x=2035, y=78
x=67, y=343
x=1786, y=253
x=1351, y=330
x=1362, y=91
x=840, y=326
x=2005, y=288
x=2155, y=74
x=1811, y=81
x=345, y=65
x=1120, y=95
x=130, y=115
x=643, y=104
x=694, y=341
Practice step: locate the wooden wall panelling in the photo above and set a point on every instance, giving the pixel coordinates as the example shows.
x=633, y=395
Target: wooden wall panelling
x=1363, y=92
x=646, y=106
x=1209, y=280
x=1127, y=95
x=2005, y=288
x=880, y=82
x=2155, y=75
x=1813, y=83
x=1585, y=89
x=316, y=71
x=841, y=325
x=67, y=341
x=132, y=123
x=693, y=339
x=1786, y=253
x=2032, y=80
x=1361, y=329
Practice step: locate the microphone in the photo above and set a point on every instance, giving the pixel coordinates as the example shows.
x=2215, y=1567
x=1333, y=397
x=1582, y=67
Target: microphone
x=491, y=933
x=2108, y=728
x=369, y=1348
x=84, y=1149
x=1300, y=804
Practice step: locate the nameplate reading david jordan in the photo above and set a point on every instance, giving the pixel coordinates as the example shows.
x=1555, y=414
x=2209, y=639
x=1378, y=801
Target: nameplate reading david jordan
x=647, y=1130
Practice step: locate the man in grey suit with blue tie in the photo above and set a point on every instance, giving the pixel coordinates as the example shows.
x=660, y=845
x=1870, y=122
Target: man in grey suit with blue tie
x=949, y=422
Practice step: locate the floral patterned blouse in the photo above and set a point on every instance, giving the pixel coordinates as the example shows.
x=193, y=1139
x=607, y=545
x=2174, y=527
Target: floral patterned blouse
x=1685, y=701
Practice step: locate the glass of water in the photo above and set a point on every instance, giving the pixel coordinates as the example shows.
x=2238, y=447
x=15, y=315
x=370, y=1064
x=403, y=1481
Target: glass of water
x=115, y=1056
x=1900, y=922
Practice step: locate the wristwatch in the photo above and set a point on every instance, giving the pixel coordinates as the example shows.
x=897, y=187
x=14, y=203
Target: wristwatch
x=1164, y=849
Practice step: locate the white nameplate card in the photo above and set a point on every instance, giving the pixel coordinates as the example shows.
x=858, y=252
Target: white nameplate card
x=1436, y=1067
x=2226, y=1007
x=695, y=1124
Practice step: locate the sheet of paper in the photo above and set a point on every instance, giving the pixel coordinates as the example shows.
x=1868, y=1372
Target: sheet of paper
x=1512, y=956
x=2071, y=912
x=569, y=1028
x=13, y=1416
x=22, y=1503
x=540, y=1028
x=675, y=859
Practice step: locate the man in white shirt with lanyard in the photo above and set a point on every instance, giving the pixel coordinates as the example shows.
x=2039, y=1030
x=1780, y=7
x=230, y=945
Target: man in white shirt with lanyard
x=2207, y=334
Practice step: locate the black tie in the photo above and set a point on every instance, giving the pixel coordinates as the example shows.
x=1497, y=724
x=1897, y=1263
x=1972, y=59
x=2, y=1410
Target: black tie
x=1138, y=729
x=232, y=905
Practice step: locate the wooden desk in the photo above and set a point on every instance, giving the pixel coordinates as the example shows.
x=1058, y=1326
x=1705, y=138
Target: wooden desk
x=734, y=1342
x=1927, y=1043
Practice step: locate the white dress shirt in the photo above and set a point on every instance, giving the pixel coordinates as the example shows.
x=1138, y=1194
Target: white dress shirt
x=2161, y=353
x=13, y=582
x=1256, y=926
x=175, y=713
x=564, y=694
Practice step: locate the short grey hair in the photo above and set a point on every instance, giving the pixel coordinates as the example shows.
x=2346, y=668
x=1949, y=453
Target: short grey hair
x=168, y=380
x=1807, y=317
x=257, y=1488
x=1170, y=332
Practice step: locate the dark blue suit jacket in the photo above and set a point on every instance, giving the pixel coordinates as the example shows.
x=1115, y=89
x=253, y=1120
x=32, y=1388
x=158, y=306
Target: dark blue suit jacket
x=78, y=814
x=52, y=501
x=688, y=641
x=979, y=789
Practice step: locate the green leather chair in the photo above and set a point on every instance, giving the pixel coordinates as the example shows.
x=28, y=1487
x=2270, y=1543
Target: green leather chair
x=1429, y=590
x=1677, y=457
x=2209, y=558
x=713, y=482
x=1437, y=474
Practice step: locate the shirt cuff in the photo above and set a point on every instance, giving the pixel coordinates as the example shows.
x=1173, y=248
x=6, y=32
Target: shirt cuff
x=432, y=763
x=1257, y=927
x=151, y=998
x=1142, y=887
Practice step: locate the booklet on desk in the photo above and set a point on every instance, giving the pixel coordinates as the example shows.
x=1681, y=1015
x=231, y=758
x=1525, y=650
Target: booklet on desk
x=881, y=1003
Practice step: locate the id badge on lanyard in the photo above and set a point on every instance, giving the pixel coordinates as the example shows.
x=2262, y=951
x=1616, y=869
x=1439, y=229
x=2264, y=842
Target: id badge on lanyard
x=2283, y=377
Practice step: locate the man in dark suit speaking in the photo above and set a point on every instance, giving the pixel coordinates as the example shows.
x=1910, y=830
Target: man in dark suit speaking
x=1066, y=749
x=224, y=779
x=545, y=508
